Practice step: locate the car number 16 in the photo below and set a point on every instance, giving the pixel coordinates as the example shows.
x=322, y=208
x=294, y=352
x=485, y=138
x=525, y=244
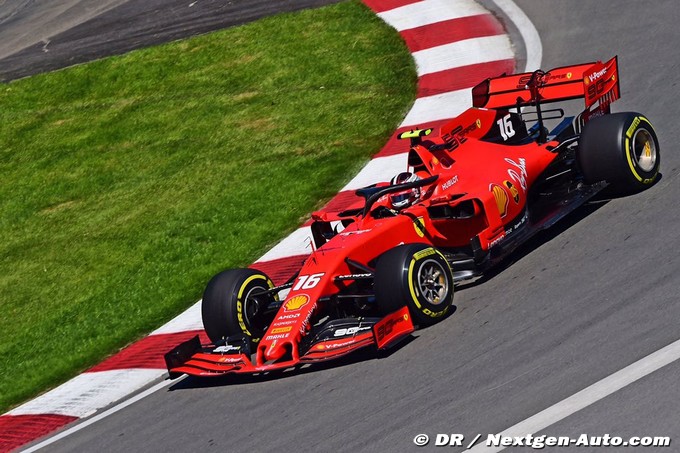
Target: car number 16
x=308, y=281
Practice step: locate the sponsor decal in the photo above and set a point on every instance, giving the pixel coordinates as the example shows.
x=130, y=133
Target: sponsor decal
x=296, y=302
x=282, y=329
x=289, y=316
x=633, y=126
x=600, y=84
x=239, y=316
x=227, y=359
x=523, y=82
x=501, y=198
x=284, y=323
x=305, y=323
x=590, y=78
x=349, y=331
x=517, y=224
x=226, y=348
x=423, y=253
x=433, y=314
x=458, y=135
x=337, y=345
x=275, y=337
x=513, y=191
x=497, y=241
x=478, y=123
x=519, y=173
x=385, y=329
x=450, y=183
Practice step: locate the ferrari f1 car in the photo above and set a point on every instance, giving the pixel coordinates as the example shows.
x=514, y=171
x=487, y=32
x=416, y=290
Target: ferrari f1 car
x=478, y=187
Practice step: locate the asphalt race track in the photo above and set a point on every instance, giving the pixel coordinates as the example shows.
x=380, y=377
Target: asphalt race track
x=593, y=296
x=43, y=36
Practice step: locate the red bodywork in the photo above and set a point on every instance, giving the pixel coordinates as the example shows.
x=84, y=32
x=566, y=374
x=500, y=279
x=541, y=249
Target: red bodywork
x=483, y=163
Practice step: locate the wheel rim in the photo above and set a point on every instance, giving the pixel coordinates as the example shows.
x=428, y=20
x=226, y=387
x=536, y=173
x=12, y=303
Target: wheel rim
x=433, y=282
x=644, y=150
x=251, y=309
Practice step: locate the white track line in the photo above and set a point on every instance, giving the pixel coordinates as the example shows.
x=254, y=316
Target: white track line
x=530, y=36
x=113, y=410
x=83, y=395
x=590, y=395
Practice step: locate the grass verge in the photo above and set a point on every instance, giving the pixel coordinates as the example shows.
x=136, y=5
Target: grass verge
x=128, y=182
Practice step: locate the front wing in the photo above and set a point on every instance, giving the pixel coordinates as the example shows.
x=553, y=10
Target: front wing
x=195, y=359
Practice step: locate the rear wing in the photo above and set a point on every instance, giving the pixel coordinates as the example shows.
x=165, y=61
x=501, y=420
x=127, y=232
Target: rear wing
x=590, y=81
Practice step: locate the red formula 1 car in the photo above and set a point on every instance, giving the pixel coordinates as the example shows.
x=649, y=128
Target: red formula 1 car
x=481, y=185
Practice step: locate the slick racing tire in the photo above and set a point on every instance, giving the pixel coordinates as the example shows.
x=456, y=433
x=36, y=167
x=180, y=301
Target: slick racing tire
x=622, y=149
x=417, y=276
x=231, y=305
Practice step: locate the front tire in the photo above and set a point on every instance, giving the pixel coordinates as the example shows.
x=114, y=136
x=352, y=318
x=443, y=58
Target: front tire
x=622, y=149
x=231, y=305
x=417, y=276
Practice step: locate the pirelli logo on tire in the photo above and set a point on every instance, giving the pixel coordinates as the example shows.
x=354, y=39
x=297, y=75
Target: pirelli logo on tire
x=423, y=253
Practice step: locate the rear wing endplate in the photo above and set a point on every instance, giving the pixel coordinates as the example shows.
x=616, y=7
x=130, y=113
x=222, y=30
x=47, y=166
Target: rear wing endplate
x=591, y=81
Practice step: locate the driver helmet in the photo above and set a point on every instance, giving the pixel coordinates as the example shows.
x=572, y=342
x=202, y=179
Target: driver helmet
x=400, y=200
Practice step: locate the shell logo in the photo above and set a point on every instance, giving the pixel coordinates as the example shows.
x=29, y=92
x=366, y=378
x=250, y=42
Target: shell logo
x=501, y=199
x=296, y=302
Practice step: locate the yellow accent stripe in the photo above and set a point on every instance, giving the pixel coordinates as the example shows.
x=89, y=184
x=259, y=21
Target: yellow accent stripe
x=629, y=151
x=410, y=282
x=239, y=302
x=415, y=133
x=630, y=161
x=417, y=256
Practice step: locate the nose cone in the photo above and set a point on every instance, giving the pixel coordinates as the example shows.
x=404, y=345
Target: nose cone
x=276, y=350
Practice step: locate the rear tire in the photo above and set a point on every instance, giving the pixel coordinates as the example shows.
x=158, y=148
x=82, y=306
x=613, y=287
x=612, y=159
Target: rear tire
x=622, y=149
x=417, y=276
x=229, y=306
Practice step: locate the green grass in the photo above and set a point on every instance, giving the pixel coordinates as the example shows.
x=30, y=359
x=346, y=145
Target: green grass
x=128, y=182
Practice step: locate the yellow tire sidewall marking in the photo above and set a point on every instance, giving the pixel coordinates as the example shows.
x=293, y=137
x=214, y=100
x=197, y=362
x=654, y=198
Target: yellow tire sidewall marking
x=239, y=302
x=417, y=257
x=629, y=152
